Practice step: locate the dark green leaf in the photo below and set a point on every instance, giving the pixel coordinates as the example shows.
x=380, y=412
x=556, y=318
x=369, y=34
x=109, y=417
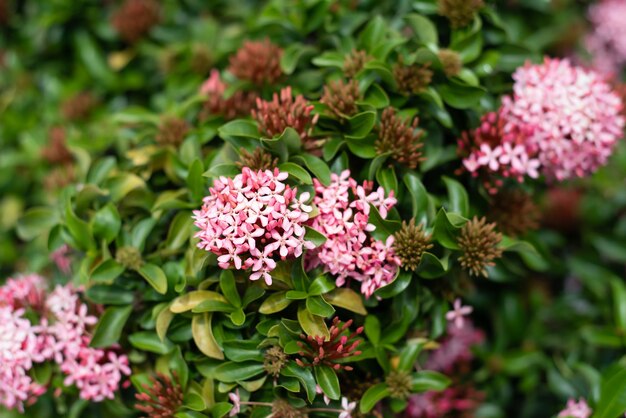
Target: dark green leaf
x=110, y=326
x=328, y=381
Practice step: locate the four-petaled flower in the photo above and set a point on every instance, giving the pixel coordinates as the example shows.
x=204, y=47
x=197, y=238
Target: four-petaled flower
x=457, y=314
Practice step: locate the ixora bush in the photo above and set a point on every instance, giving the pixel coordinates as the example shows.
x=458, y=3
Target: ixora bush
x=341, y=219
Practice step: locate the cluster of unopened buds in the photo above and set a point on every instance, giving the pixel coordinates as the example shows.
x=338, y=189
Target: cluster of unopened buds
x=253, y=220
x=61, y=335
x=350, y=252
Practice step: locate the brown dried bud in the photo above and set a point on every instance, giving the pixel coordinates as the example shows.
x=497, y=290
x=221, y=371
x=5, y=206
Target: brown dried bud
x=514, y=212
x=56, y=151
x=257, y=160
x=281, y=408
x=59, y=177
x=412, y=79
x=355, y=62
x=400, y=138
x=450, y=62
x=134, y=19
x=78, y=107
x=341, y=97
x=460, y=13
x=4, y=12
x=479, y=245
x=410, y=243
x=201, y=59
x=172, y=131
x=258, y=62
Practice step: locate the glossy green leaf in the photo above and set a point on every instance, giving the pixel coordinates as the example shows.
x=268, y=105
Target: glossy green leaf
x=202, y=332
x=313, y=325
x=154, y=276
x=106, y=223
x=328, y=381
x=150, y=341
x=36, y=221
x=346, y=298
x=296, y=172
x=318, y=306
x=372, y=396
x=457, y=197
x=107, y=271
x=425, y=30
x=233, y=372
x=304, y=375
x=229, y=288
x=429, y=380
x=110, y=326
x=276, y=302
x=361, y=124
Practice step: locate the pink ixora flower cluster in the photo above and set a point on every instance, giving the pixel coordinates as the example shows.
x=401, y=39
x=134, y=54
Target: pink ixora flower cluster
x=61, y=335
x=607, y=40
x=253, y=220
x=562, y=121
x=350, y=252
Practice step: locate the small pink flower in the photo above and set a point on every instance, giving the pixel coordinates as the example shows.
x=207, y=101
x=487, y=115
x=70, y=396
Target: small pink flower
x=575, y=409
x=457, y=314
x=236, y=400
x=347, y=408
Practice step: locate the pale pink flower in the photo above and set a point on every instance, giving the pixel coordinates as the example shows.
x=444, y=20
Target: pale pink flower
x=350, y=252
x=457, y=314
x=252, y=221
x=61, y=258
x=347, y=408
x=236, y=400
x=455, y=348
x=26, y=291
x=575, y=409
x=319, y=391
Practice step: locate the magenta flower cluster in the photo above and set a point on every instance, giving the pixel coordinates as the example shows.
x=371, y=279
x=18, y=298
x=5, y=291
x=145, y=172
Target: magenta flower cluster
x=562, y=121
x=60, y=335
x=252, y=221
x=607, y=39
x=350, y=252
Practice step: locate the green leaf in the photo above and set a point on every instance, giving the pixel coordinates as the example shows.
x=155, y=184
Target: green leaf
x=409, y=354
x=219, y=410
x=346, y=298
x=140, y=233
x=612, y=400
x=376, y=97
x=36, y=221
x=305, y=377
x=386, y=177
x=251, y=294
x=619, y=303
x=240, y=133
x=361, y=124
x=106, y=223
x=180, y=231
x=372, y=396
x=460, y=95
x=457, y=196
x=313, y=325
x=329, y=59
x=317, y=238
x=194, y=298
x=238, y=317
x=154, y=276
x=425, y=30
x=373, y=34
x=397, y=286
x=121, y=185
x=110, y=295
x=202, y=332
x=107, y=271
x=372, y=329
x=431, y=267
x=289, y=142
x=445, y=231
x=242, y=350
x=149, y=341
x=318, y=306
x=78, y=229
x=163, y=321
x=321, y=285
x=233, y=372
x=275, y=303
x=419, y=197
x=292, y=55
x=384, y=227
x=110, y=326
x=195, y=181
x=296, y=171
x=100, y=170
x=428, y=380
x=328, y=381
x=229, y=288
x=92, y=57
x=318, y=167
